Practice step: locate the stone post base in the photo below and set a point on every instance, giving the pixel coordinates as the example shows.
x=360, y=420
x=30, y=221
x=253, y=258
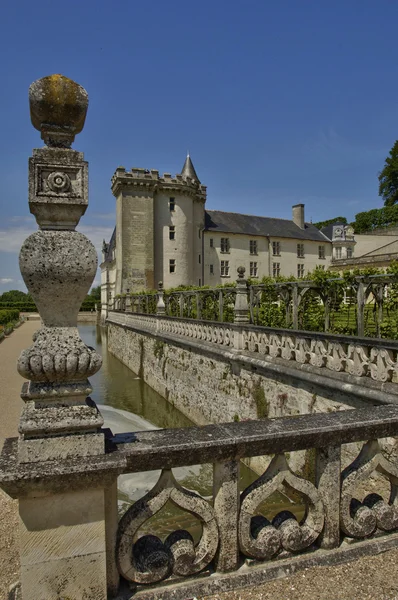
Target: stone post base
x=63, y=546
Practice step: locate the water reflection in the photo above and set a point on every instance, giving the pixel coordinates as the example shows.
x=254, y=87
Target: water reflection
x=129, y=404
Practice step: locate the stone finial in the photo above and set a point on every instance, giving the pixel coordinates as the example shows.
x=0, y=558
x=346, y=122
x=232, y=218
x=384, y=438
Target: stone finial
x=58, y=176
x=241, y=309
x=160, y=306
x=58, y=266
x=241, y=272
x=58, y=108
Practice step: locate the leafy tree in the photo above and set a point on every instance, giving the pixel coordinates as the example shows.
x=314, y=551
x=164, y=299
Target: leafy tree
x=376, y=217
x=322, y=224
x=15, y=296
x=388, y=178
x=95, y=293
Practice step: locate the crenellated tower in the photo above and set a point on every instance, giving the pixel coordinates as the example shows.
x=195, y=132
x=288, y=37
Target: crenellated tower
x=159, y=228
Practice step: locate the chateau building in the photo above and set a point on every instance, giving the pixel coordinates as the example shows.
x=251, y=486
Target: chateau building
x=164, y=233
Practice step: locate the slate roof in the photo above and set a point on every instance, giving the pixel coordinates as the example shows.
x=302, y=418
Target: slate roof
x=328, y=230
x=217, y=220
x=188, y=170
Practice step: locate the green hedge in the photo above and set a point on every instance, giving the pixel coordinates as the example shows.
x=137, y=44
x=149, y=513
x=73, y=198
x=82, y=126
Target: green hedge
x=8, y=316
x=87, y=305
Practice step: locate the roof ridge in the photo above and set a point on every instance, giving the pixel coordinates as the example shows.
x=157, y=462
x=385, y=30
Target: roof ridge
x=228, y=212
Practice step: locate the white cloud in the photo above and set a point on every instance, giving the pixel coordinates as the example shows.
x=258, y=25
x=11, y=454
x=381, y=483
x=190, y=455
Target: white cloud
x=6, y=279
x=12, y=238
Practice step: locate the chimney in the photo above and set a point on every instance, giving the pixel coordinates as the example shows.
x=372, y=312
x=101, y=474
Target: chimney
x=298, y=215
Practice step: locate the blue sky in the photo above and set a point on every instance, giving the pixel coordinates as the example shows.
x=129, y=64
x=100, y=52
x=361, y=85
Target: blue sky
x=277, y=102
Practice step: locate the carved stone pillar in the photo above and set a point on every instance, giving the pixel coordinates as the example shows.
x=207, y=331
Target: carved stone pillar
x=58, y=265
x=241, y=310
x=63, y=538
x=160, y=306
x=128, y=301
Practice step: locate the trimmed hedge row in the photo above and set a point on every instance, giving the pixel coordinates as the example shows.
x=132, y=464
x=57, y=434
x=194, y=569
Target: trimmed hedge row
x=29, y=307
x=8, y=316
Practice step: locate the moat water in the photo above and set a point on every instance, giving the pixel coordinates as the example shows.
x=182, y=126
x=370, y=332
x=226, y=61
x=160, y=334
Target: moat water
x=128, y=404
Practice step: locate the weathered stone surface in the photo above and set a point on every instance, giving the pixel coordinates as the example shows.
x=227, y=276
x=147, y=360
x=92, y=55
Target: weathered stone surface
x=58, y=108
x=151, y=560
x=284, y=532
x=327, y=476
x=58, y=187
x=260, y=573
x=58, y=268
x=226, y=504
x=62, y=447
x=20, y=480
x=241, y=308
x=63, y=534
x=62, y=517
x=360, y=519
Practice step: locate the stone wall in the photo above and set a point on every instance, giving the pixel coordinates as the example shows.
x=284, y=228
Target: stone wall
x=214, y=386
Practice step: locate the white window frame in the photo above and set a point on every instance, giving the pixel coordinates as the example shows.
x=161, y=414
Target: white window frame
x=224, y=245
x=253, y=269
x=253, y=247
x=276, y=248
x=224, y=268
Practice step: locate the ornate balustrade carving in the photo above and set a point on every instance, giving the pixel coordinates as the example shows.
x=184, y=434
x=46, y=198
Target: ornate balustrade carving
x=361, y=357
x=149, y=559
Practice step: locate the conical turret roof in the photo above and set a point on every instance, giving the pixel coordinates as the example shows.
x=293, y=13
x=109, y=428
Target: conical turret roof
x=188, y=170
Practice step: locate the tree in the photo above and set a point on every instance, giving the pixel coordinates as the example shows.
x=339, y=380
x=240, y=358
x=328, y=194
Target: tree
x=322, y=224
x=95, y=293
x=388, y=178
x=15, y=296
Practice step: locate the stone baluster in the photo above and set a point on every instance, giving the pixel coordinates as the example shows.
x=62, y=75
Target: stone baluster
x=295, y=306
x=360, y=307
x=327, y=479
x=160, y=306
x=220, y=306
x=241, y=309
x=251, y=305
x=226, y=505
x=379, y=296
x=127, y=307
x=198, y=305
x=62, y=528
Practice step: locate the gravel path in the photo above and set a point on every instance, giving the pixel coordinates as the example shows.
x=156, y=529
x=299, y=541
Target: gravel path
x=10, y=410
x=369, y=578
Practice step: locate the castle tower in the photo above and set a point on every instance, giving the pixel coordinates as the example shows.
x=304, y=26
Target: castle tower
x=159, y=228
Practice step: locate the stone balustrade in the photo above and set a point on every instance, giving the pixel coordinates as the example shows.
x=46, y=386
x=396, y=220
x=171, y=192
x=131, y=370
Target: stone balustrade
x=63, y=467
x=340, y=504
x=361, y=357
x=225, y=304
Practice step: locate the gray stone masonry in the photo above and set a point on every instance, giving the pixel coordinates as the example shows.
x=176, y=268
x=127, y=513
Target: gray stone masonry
x=63, y=535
